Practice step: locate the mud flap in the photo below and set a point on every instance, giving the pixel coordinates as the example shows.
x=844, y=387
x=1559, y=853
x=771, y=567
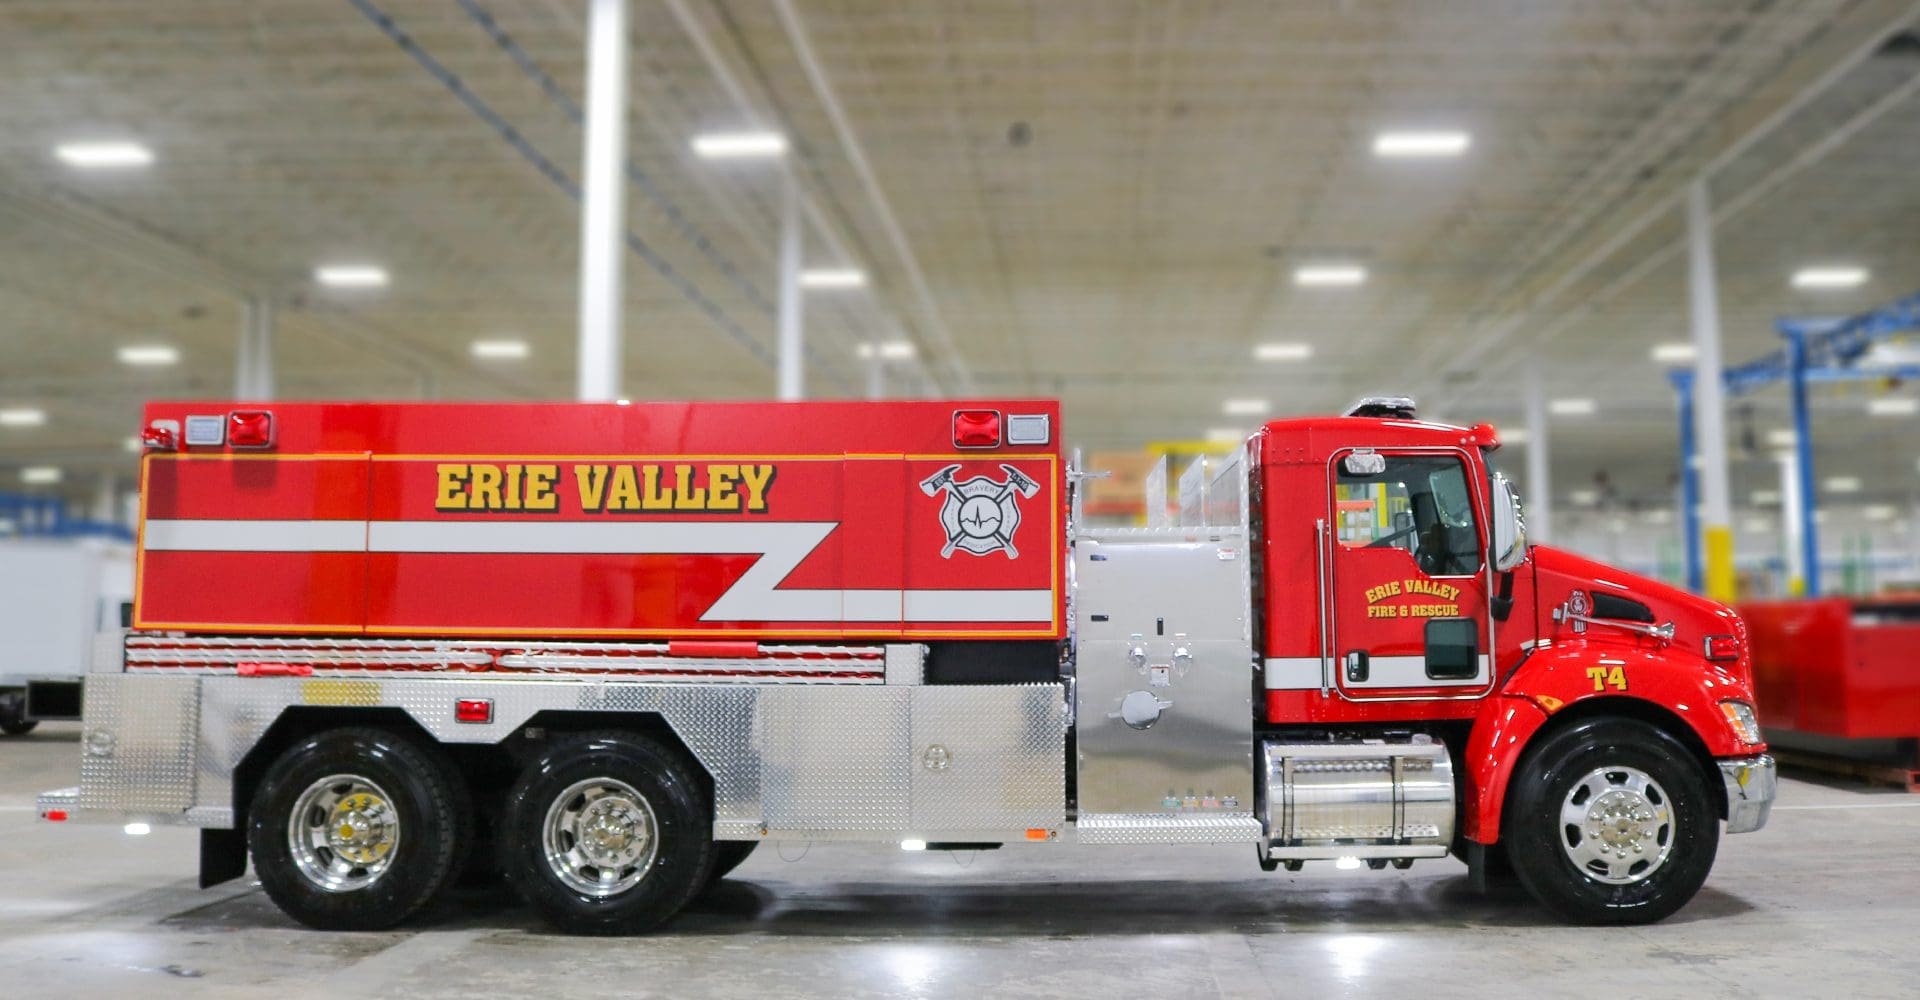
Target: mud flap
x=223, y=856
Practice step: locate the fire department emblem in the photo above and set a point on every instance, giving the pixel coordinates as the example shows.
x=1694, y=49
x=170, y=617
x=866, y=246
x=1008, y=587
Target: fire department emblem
x=980, y=515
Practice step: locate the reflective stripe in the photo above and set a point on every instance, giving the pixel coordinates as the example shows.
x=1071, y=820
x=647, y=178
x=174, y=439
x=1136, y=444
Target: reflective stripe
x=254, y=536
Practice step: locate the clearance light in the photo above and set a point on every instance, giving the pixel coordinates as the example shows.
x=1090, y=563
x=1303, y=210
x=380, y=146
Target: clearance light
x=149, y=355
x=477, y=710
x=103, y=155
x=913, y=845
x=1407, y=145
x=1722, y=647
x=739, y=145
x=1282, y=352
x=1830, y=277
x=976, y=428
x=1329, y=275
x=250, y=429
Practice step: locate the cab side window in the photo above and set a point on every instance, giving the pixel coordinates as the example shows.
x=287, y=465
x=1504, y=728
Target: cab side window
x=1420, y=503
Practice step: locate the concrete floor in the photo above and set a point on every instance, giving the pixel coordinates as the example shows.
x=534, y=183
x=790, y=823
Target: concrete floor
x=1823, y=903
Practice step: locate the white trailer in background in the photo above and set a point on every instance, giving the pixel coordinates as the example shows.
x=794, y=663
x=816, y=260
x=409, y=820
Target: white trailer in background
x=56, y=594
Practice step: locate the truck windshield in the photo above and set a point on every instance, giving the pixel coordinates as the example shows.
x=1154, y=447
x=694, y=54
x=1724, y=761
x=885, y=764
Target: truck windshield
x=1419, y=503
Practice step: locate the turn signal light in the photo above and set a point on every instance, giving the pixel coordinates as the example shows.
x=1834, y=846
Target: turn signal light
x=250, y=429
x=1723, y=647
x=976, y=428
x=473, y=710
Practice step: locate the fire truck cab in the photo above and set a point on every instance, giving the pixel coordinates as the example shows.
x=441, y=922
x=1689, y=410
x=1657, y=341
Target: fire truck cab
x=606, y=650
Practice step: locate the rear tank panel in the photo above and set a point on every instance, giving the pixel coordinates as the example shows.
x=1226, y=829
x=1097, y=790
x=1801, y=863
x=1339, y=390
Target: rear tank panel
x=776, y=520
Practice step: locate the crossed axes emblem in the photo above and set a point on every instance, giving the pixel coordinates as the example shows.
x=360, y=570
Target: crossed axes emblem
x=980, y=515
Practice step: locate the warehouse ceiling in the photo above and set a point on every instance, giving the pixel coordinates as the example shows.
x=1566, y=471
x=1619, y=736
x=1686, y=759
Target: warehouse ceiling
x=1098, y=200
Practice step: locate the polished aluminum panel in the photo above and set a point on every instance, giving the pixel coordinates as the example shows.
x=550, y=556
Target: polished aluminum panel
x=139, y=744
x=987, y=763
x=1164, y=685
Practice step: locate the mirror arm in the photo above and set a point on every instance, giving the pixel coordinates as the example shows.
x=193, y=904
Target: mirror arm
x=1502, y=604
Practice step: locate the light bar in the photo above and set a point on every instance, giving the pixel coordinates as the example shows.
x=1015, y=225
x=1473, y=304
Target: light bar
x=103, y=155
x=351, y=276
x=1410, y=145
x=886, y=350
x=1843, y=484
x=501, y=350
x=1245, y=407
x=1893, y=406
x=149, y=354
x=1830, y=277
x=1678, y=353
x=1572, y=407
x=1282, y=351
x=40, y=475
x=833, y=277
x=22, y=416
x=739, y=145
x=1329, y=275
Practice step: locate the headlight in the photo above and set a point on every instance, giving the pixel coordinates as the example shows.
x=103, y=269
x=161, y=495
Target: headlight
x=1741, y=717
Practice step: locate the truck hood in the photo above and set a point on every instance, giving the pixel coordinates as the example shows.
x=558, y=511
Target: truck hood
x=1557, y=573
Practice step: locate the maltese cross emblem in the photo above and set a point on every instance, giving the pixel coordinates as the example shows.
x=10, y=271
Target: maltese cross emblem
x=979, y=514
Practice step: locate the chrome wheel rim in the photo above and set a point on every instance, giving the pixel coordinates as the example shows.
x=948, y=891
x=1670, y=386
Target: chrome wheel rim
x=1616, y=825
x=601, y=837
x=343, y=832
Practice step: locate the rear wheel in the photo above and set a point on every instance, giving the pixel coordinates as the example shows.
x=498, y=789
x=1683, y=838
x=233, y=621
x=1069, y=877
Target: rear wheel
x=13, y=716
x=609, y=833
x=355, y=829
x=1609, y=822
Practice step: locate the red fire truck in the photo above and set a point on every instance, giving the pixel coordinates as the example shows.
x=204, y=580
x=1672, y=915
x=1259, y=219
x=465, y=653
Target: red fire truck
x=605, y=650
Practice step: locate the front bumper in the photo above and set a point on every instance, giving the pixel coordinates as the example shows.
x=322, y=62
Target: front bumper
x=1751, y=783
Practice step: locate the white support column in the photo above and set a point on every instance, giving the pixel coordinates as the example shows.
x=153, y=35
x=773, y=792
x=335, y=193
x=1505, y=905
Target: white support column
x=876, y=372
x=106, y=494
x=253, y=365
x=1539, y=498
x=1790, y=523
x=603, y=202
x=1709, y=403
x=792, y=350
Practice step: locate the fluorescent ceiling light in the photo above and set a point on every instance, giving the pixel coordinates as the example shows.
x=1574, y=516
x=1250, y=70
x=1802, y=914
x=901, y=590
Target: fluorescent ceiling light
x=501, y=350
x=1329, y=275
x=1282, y=351
x=40, y=475
x=833, y=277
x=1421, y=144
x=22, y=416
x=1830, y=277
x=149, y=354
x=103, y=155
x=1517, y=435
x=1765, y=498
x=1782, y=438
x=1678, y=353
x=1758, y=525
x=351, y=276
x=1245, y=407
x=1659, y=515
x=740, y=145
x=1232, y=435
x=132, y=443
x=1571, y=407
x=886, y=350
x=1584, y=498
x=1893, y=406
x=1843, y=484
x=1879, y=512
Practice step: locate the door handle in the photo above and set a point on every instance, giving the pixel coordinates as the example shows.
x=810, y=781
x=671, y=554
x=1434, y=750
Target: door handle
x=1357, y=666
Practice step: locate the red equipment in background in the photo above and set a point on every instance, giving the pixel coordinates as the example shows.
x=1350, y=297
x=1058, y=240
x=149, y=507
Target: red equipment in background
x=1838, y=675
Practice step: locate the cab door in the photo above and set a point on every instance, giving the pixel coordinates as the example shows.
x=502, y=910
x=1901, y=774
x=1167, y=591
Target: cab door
x=1407, y=579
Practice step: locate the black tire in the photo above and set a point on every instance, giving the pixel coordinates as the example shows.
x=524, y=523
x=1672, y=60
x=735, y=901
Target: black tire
x=422, y=793
x=649, y=879
x=18, y=727
x=727, y=855
x=1574, y=766
x=13, y=716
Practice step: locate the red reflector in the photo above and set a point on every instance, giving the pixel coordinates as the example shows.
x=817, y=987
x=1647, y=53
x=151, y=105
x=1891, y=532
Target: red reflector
x=473, y=710
x=976, y=428
x=249, y=668
x=250, y=429
x=56, y=815
x=713, y=649
x=160, y=438
x=1723, y=647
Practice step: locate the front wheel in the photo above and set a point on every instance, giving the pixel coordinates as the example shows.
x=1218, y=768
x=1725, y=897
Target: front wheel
x=609, y=833
x=1609, y=821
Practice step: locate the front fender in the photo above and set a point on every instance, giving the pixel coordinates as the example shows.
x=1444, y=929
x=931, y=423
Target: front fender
x=1562, y=675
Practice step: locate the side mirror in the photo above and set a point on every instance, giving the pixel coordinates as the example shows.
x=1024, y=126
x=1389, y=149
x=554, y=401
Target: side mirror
x=1509, y=527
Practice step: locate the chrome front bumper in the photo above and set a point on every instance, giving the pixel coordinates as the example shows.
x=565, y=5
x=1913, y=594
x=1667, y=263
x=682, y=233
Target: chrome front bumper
x=1751, y=783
